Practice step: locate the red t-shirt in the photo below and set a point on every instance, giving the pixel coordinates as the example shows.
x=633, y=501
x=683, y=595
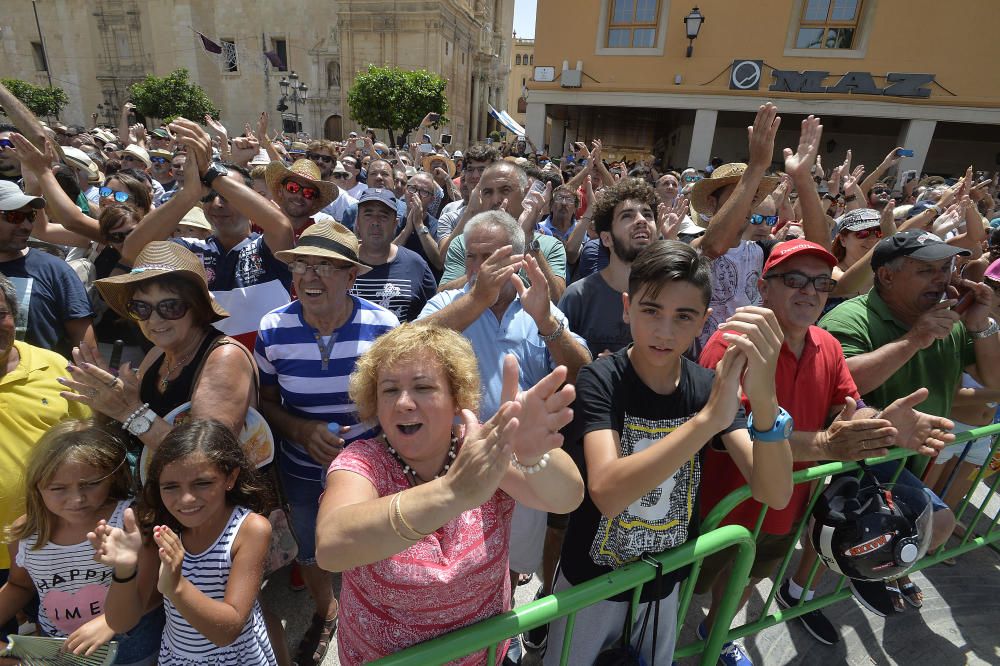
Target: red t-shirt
x=808, y=388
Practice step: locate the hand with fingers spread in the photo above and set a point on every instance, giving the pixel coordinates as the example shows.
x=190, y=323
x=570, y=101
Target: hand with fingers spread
x=916, y=430
x=535, y=299
x=799, y=164
x=171, y=552
x=216, y=129
x=32, y=160
x=756, y=332
x=494, y=273
x=848, y=438
x=669, y=217
x=532, y=206
x=118, y=547
x=761, y=136
x=545, y=410
x=93, y=384
x=485, y=455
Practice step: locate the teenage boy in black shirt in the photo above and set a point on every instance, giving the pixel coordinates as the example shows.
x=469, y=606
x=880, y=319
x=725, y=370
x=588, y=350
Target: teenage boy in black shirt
x=643, y=416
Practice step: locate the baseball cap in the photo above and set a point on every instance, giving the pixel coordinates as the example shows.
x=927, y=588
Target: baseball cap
x=379, y=194
x=859, y=219
x=782, y=252
x=339, y=168
x=916, y=244
x=918, y=208
x=12, y=198
x=160, y=133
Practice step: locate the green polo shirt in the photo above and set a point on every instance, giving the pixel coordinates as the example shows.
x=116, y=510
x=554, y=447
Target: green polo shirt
x=863, y=324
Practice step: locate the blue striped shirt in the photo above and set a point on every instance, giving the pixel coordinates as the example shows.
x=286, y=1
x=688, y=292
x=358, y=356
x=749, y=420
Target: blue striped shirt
x=182, y=644
x=289, y=358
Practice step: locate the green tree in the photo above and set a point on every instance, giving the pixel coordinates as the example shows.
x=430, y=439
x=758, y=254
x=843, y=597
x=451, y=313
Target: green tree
x=170, y=96
x=41, y=101
x=395, y=99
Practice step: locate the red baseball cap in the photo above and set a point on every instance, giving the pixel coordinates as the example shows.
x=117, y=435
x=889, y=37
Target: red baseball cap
x=782, y=252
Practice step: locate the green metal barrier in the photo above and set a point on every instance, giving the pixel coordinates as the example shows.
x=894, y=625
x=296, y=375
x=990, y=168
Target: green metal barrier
x=488, y=634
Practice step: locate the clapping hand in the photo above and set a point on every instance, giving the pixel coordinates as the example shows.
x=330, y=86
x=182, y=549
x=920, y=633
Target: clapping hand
x=117, y=547
x=669, y=217
x=761, y=135
x=545, y=410
x=756, y=332
x=918, y=431
x=799, y=164
x=171, y=553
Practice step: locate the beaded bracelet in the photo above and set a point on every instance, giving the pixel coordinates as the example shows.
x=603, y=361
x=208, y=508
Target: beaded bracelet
x=131, y=417
x=392, y=523
x=530, y=469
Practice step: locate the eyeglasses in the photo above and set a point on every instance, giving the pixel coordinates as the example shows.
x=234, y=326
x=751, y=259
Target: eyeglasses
x=413, y=189
x=18, y=216
x=341, y=176
x=170, y=308
x=133, y=160
x=158, y=160
x=564, y=200
x=322, y=269
x=865, y=233
x=120, y=197
x=770, y=220
x=295, y=187
x=796, y=280
x=118, y=236
x=322, y=158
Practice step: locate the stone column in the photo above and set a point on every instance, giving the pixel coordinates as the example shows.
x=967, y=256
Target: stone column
x=534, y=124
x=701, y=138
x=474, y=112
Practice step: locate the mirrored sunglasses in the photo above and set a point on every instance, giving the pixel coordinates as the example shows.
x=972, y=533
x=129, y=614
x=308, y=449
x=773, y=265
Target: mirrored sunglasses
x=18, y=216
x=769, y=220
x=120, y=197
x=295, y=187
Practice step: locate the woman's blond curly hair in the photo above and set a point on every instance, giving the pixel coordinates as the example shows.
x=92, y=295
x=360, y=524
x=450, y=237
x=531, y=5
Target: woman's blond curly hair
x=417, y=340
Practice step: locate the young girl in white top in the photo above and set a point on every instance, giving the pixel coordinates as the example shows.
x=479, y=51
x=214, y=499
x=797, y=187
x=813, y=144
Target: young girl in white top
x=197, y=506
x=77, y=475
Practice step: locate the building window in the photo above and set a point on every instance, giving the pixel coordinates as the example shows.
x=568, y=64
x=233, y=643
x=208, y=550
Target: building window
x=447, y=47
x=41, y=65
x=232, y=62
x=517, y=59
x=828, y=24
x=633, y=24
x=532, y=58
x=280, y=48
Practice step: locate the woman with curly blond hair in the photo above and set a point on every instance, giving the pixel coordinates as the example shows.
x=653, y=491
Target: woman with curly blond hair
x=422, y=513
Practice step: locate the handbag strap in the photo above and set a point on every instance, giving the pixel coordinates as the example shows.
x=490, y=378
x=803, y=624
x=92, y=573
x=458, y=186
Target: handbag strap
x=226, y=340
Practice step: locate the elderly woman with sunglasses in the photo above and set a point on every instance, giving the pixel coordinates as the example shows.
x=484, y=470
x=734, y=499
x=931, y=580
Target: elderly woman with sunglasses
x=167, y=295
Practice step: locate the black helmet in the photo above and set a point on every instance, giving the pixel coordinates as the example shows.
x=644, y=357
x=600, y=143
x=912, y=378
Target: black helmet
x=871, y=532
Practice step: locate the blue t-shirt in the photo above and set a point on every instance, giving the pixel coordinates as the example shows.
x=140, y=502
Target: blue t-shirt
x=594, y=257
x=288, y=356
x=248, y=263
x=401, y=286
x=49, y=293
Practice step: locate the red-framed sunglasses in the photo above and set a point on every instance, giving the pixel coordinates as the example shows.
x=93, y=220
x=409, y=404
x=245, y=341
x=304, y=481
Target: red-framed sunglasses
x=295, y=187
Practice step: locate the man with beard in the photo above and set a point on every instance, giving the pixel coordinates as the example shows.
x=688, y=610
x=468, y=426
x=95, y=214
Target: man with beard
x=626, y=223
x=344, y=208
x=300, y=192
x=243, y=273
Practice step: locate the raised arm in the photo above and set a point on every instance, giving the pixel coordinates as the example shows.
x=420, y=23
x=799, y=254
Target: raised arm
x=25, y=121
x=798, y=165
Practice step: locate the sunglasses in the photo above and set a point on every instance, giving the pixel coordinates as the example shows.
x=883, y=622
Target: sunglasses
x=322, y=158
x=692, y=179
x=880, y=191
x=158, y=160
x=295, y=187
x=6, y=143
x=18, y=216
x=865, y=233
x=118, y=236
x=341, y=176
x=796, y=280
x=770, y=220
x=120, y=197
x=322, y=269
x=170, y=308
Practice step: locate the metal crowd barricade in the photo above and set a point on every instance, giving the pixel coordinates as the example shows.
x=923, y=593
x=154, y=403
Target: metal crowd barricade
x=490, y=633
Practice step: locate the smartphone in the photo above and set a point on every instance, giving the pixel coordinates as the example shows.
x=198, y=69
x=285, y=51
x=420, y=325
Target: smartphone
x=904, y=152
x=426, y=148
x=445, y=139
x=434, y=117
x=116, y=356
x=489, y=140
x=359, y=144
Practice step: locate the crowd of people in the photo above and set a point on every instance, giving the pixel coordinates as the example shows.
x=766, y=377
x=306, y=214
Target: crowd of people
x=475, y=366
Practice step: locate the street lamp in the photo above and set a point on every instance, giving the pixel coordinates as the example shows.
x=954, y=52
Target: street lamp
x=693, y=23
x=292, y=87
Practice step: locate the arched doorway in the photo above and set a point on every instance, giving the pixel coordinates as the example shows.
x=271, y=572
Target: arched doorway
x=333, y=128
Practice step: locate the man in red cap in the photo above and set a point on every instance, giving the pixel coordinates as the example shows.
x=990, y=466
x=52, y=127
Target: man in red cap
x=831, y=421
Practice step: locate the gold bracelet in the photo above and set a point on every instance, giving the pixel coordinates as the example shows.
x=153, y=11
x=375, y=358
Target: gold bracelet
x=392, y=523
x=399, y=514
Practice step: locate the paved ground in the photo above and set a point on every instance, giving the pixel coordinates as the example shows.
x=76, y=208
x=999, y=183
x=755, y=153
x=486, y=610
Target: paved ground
x=958, y=624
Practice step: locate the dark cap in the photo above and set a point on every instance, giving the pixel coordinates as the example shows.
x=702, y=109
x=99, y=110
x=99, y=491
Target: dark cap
x=380, y=195
x=916, y=244
x=160, y=133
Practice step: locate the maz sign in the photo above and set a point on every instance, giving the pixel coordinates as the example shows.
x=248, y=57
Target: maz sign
x=746, y=75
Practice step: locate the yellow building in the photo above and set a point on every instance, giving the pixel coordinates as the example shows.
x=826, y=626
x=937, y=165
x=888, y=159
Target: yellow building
x=522, y=65
x=880, y=73
x=95, y=49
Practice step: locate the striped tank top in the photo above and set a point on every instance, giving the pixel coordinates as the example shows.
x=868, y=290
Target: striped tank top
x=208, y=571
x=71, y=585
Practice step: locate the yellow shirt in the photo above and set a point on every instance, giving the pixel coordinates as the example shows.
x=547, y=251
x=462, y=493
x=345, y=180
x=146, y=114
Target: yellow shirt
x=30, y=404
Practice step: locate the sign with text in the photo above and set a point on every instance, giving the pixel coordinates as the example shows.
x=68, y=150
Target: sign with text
x=746, y=75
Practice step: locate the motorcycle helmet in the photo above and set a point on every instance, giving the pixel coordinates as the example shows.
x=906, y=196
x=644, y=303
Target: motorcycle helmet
x=871, y=531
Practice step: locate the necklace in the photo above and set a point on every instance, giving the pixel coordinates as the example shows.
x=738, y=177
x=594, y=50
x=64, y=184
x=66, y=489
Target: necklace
x=171, y=369
x=408, y=471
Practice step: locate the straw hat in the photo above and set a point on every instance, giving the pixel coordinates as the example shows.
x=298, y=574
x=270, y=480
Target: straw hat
x=81, y=161
x=727, y=174
x=158, y=258
x=139, y=153
x=329, y=240
x=196, y=218
x=305, y=171
x=428, y=164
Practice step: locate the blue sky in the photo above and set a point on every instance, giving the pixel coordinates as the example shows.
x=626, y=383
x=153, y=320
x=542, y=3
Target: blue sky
x=524, y=18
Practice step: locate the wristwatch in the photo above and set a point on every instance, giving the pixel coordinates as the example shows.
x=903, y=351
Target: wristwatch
x=990, y=330
x=781, y=430
x=535, y=246
x=141, y=422
x=422, y=230
x=212, y=173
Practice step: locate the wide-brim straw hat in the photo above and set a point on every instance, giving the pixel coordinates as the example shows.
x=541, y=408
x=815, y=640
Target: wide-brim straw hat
x=727, y=174
x=196, y=218
x=157, y=259
x=329, y=240
x=428, y=161
x=305, y=171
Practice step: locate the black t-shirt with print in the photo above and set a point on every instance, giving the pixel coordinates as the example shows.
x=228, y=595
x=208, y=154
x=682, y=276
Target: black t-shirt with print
x=611, y=396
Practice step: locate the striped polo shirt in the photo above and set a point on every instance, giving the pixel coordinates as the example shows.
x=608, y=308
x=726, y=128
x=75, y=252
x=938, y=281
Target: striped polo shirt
x=289, y=357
